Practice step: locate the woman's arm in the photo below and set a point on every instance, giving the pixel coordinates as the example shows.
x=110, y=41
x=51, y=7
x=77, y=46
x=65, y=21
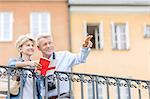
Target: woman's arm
x=24, y=64
x=15, y=63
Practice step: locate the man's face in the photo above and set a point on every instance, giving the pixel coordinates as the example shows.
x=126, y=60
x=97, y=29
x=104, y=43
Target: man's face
x=46, y=46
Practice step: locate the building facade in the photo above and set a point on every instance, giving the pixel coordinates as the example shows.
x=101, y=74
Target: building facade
x=19, y=17
x=120, y=30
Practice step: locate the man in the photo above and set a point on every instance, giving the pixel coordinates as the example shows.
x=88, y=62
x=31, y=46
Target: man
x=64, y=60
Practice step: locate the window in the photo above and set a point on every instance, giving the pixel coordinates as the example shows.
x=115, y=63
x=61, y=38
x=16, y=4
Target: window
x=39, y=23
x=120, y=39
x=97, y=31
x=147, y=31
x=6, y=26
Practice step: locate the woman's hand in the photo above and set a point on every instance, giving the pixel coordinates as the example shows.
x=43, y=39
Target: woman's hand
x=38, y=65
x=34, y=64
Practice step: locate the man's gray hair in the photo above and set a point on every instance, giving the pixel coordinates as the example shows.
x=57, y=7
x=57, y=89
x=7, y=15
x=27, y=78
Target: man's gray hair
x=43, y=35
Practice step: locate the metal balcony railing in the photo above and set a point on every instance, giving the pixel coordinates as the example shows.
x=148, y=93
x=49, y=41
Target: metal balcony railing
x=88, y=86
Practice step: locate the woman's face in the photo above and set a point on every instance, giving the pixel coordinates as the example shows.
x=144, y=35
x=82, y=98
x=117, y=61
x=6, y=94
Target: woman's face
x=27, y=48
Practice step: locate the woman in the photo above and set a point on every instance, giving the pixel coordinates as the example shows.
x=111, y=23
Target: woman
x=25, y=46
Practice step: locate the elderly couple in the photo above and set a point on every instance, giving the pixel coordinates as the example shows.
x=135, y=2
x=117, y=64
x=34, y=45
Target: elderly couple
x=65, y=60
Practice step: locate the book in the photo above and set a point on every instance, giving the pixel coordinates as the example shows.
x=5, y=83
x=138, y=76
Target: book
x=46, y=66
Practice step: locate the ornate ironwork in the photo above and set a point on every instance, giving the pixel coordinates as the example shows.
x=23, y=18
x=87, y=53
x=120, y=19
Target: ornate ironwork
x=79, y=77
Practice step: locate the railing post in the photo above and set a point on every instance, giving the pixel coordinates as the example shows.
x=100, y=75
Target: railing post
x=148, y=84
x=129, y=91
x=21, y=84
x=82, y=93
x=139, y=90
x=107, y=86
x=58, y=85
x=93, y=87
x=97, y=91
x=34, y=85
x=46, y=87
x=8, y=93
x=118, y=87
x=70, y=86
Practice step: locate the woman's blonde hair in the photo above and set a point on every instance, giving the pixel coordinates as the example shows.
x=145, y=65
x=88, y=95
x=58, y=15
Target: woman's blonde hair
x=22, y=39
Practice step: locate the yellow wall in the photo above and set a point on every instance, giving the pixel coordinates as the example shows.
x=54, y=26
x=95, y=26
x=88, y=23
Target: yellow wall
x=21, y=13
x=133, y=63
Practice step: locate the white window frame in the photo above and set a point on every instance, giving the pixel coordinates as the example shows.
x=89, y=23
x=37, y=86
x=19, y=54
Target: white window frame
x=31, y=22
x=2, y=27
x=101, y=42
x=118, y=42
x=146, y=34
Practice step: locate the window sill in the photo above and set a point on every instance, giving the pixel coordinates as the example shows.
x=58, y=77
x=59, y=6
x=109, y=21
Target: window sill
x=3, y=41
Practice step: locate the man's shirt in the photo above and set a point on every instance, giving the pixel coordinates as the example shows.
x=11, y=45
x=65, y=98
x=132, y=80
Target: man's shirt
x=64, y=61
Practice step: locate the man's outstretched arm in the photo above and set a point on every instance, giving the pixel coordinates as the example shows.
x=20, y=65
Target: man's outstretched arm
x=74, y=59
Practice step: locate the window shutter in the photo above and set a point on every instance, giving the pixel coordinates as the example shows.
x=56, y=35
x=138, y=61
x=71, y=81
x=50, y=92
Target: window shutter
x=127, y=36
x=6, y=26
x=39, y=23
x=118, y=33
x=147, y=30
x=1, y=25
x=45, y=20
x=113, y=36
x=96, y=39
x=85, y=28
x=101, y=41
x=7, y=33
x=34, y=24
x=145, y=34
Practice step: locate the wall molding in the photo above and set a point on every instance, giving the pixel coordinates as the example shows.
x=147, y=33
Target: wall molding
x=107, y=9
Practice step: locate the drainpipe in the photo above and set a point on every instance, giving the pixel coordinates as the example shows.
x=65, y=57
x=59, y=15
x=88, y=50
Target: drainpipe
x=69, y=30
x=70, y=45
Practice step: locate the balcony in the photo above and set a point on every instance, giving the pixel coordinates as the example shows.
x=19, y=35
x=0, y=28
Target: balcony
x=81, y=86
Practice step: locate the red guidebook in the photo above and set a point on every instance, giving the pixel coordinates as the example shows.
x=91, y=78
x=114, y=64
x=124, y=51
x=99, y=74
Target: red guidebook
x=45, y=66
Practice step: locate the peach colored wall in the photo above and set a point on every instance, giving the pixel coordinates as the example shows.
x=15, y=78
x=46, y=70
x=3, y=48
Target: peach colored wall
x=21, y=12
x=133, y=63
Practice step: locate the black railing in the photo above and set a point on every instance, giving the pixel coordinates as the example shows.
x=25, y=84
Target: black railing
x=88, y=86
